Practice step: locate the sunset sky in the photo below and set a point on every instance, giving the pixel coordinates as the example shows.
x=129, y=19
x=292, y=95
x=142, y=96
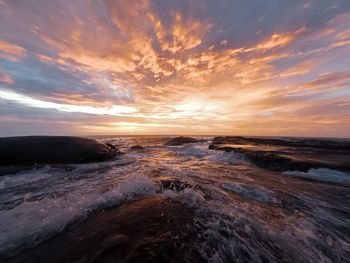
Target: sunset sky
x=257, y=67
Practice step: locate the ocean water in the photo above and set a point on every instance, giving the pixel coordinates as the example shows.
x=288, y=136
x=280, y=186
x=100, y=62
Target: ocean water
x=240, y=213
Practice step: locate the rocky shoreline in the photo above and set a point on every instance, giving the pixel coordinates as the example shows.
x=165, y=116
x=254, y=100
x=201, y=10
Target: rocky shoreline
x=152, y=229
x=285, y=155
x=17, y=153
x=169, y=203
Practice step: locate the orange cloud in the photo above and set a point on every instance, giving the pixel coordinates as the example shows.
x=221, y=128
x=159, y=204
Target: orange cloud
x=5, y=78
x=11, y=51
x=183, y=34
x=180, y=71
x=300, y=69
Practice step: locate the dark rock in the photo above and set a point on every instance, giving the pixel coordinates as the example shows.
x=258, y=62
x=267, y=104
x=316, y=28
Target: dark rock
x=181, y=140
x=173, y=183
x=226, y=139
x=288, y=154
x=137, y=147
x=152, y=229
x=113, y=148
x=32, y=150
x=335, y=144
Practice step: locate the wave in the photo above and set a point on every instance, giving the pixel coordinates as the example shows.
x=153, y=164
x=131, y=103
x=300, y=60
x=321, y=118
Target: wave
x=323, y=175
x=34, y=221
x=200, y=151
x=228, y=231
x=251, y=192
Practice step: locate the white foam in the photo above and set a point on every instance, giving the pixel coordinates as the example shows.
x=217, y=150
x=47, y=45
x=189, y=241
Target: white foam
x=32, y=222
x=203, y=153
x=228, y=231
x=25, y=177
x=323, y=174
x=252, y=192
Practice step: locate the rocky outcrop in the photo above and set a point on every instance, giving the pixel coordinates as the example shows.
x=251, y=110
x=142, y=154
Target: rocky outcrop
x=30, y=150
x=333, y=144
x=173, y=184
x=152, y=229
x=289, y=154
x=180, y=141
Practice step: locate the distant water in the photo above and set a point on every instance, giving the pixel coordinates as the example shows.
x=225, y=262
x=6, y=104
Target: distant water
x=240, y=212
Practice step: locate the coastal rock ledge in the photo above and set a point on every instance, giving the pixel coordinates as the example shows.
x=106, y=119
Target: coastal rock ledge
x=288, y=154
x=30, y=150
x=180, y=141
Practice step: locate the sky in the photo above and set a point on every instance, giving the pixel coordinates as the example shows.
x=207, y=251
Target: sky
x=205, y=67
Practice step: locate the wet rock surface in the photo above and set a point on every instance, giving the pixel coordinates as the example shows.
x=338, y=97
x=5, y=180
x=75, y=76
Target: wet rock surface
x=33, y=150
x=290, y=142
x=152, y=229
x=173, y=184
x=285, y=155
x=180, y=141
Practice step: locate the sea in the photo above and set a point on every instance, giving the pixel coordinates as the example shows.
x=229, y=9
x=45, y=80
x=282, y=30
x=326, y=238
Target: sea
x=221, y=208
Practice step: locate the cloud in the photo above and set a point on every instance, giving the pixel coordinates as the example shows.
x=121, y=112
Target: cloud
x=183, y=66
x=114, y=110
x=5, y=78
x=11, y=51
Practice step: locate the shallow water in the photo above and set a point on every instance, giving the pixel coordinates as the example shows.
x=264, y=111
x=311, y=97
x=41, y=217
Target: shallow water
x=239, y=212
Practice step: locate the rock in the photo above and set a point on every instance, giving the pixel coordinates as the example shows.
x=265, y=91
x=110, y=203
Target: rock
x=181, y=140
x=288, y=154
x=152, y=229
x=113, y=148
x=173, y=184
x=227, y=139
x=33, y=150
x=290, y=142
x=137, y=147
